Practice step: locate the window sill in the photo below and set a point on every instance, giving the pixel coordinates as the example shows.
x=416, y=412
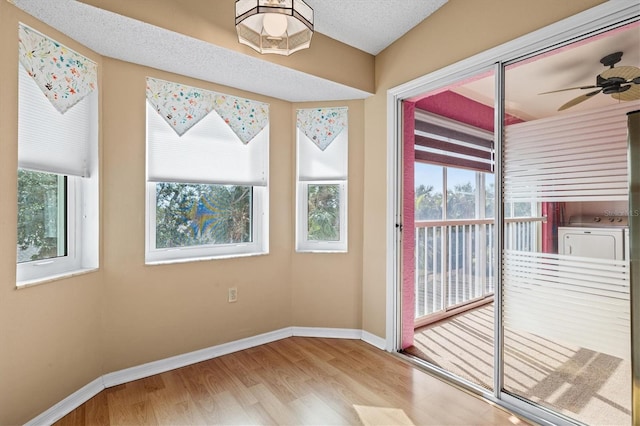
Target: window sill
x=328, y=251
x=51, y=278
x=203, y=258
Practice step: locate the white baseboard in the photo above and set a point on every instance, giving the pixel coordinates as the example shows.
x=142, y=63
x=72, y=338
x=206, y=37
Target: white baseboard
x=68, y=404
x=156, y=367
x=374, y=340
x=332, y=333
x=120, y=377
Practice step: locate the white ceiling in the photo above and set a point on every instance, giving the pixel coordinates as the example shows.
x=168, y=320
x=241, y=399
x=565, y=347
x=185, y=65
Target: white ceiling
x=369, y=25
x=575, y=65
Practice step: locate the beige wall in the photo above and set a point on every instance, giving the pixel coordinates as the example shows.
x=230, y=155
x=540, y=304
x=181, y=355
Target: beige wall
x=460, y=29
x=153, y=312
x=64, y=334
x=321, y=282
x=57, y=337
x=50, y=334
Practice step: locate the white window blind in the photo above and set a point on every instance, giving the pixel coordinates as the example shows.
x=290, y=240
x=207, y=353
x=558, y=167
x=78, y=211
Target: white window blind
x=322, y=179
x=50, y=141
x=317, y=165
x=579, y=300
x=439, y=140
x=576, y=157
x=210, y=152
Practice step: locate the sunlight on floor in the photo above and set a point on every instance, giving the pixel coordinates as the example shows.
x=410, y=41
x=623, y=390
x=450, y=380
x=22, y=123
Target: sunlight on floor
x=515, y=420
x=372, y=416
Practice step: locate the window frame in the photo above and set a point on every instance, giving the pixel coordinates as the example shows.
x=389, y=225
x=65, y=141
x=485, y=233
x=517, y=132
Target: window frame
x=45, y=269
x=82, y=207
x=258, y=245
x=480, y=199
x=321, y=162
x=303, y=244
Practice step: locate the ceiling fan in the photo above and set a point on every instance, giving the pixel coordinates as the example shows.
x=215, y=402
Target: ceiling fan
x=622, y=83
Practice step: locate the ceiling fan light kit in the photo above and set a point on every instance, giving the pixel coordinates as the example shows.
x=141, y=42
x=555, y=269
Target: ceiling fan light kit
x=622, y=83
x=281, y=27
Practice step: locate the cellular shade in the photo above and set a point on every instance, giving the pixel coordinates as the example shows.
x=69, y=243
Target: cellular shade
x=49, y=141
x=210, y=152
x=315, y=164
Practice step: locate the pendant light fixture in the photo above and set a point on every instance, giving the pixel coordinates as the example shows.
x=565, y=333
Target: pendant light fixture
x=274, y=26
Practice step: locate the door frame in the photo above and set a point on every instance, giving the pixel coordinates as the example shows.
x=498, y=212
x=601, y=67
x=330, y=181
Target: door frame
x=581, y=26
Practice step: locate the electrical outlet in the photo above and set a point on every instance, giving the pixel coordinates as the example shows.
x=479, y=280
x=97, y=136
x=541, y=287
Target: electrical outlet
x=233, y=294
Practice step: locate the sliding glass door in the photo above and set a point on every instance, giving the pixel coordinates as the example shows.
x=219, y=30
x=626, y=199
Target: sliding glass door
x=562, y=258
x=566, y=293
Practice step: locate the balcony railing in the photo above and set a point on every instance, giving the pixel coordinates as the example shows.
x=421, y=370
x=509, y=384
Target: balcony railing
x=455, y=259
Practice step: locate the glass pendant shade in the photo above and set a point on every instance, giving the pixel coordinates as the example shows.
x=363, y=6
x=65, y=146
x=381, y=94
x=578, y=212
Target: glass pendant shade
x=274, y=26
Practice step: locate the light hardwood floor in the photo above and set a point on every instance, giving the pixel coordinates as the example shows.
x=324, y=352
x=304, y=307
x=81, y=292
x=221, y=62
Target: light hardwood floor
x=294, y=381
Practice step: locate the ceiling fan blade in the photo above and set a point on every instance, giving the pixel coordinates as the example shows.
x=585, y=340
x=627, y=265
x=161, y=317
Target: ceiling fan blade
x=579, y=99
x=568, y=88
x=608, y=77
x=626, y=72
x=632, y=94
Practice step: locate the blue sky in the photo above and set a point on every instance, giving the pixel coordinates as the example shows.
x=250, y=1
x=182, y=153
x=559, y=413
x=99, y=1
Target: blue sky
x=428, y=174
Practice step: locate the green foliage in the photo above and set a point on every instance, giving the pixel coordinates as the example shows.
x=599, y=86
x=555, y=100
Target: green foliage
x=37, y=215
x=461, y=202
x=324, y=212
x=428, y=205
x=199, y=214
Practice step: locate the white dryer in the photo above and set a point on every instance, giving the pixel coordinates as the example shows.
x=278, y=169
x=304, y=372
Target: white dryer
x=594, y=236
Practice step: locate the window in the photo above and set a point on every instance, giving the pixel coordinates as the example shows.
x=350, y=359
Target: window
x=466, y=190
x=461, y=194
x=206, y=188
x=428, y=191
x=42, y=219
x=200, y=215
x=57, y=224
x=322, y=159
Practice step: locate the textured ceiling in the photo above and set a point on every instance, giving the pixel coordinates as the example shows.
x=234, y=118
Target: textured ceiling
x=369, y=25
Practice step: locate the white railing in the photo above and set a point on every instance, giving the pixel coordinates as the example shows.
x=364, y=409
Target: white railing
x=455, y=259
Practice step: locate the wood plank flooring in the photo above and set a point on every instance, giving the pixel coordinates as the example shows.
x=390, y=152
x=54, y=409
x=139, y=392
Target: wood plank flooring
x=294, y=381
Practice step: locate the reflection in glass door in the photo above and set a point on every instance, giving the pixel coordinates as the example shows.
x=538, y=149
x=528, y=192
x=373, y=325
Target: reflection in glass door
x=566, y=294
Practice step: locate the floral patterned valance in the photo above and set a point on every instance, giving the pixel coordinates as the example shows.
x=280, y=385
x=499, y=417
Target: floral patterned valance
x=322, y=125
x=64, y=76
x=183, y=106
x=245, y=117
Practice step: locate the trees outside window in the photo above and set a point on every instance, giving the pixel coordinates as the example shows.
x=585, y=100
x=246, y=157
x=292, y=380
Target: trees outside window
x=323, y=212
x=42, y=221
x=466, y=191
x=201, y=214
